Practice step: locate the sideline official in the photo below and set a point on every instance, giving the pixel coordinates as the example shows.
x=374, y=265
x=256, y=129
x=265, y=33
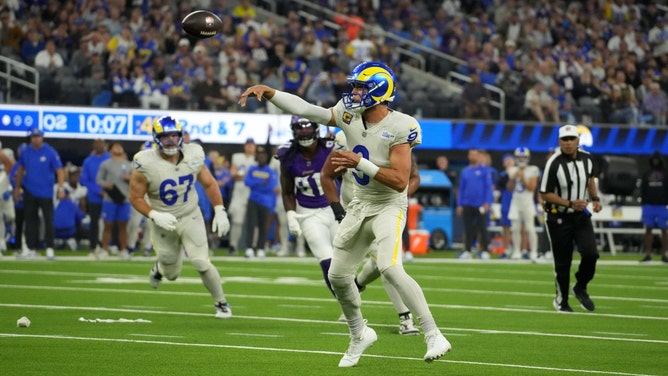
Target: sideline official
x=567, y=186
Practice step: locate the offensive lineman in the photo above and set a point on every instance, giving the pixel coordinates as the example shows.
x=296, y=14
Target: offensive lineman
x=381, y=140
x=523, y=181
x=167, y=174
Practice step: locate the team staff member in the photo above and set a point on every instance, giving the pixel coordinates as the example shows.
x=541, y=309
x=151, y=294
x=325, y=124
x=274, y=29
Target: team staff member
x=567, y=185
x=39, y=168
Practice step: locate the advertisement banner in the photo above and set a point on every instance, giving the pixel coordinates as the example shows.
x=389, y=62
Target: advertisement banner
x=136, y=125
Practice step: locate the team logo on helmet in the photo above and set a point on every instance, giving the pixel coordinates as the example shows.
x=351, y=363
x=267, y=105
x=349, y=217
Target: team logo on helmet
x=164, y=126
x=378, y=83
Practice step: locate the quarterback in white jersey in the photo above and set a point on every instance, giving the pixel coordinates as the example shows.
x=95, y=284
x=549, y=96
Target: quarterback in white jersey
x=522, y=182
x=380, y=141
x=167, y=176
x=370, y=272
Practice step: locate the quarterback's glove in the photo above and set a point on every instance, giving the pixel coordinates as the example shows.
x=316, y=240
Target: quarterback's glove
x=220, y=224
x=339, y=211
x=166, y=221
x=293, y=223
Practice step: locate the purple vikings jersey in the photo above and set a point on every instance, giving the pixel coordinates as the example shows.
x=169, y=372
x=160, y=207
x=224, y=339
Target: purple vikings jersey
x=306, y=174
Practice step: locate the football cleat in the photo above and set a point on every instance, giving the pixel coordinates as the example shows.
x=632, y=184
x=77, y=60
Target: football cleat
x=50, y=254
x=223, y=310
x=357, y=347
x=437, y=345
x=154, y=276
x=407, y=325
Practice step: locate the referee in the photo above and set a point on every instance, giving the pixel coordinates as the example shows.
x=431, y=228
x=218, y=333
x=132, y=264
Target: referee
x=567, y=186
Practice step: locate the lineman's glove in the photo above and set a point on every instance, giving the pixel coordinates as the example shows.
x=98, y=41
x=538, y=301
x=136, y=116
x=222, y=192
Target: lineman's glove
x=166, y=221
x=220, y=224
x=293, y=223
x=339, y=211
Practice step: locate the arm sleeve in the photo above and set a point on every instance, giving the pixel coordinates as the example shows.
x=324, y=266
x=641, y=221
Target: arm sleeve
x=295, y=105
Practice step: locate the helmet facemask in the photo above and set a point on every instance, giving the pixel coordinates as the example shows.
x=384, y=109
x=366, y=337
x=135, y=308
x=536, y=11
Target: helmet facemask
x=304, y=131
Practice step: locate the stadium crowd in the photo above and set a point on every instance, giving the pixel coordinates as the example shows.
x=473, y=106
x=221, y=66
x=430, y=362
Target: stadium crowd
x=560, y=61
x=591, y=61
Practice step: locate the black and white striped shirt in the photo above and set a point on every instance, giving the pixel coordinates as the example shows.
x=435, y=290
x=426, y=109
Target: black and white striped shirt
x=568, y=178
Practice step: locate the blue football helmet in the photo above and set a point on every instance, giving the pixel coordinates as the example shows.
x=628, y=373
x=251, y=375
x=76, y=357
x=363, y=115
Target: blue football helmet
x=148, y=145
x=164, y=126
x=378, y=82
x=304, y=130
x=522, y=155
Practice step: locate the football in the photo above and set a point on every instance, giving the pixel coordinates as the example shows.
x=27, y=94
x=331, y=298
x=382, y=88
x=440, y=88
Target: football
x=202, y=24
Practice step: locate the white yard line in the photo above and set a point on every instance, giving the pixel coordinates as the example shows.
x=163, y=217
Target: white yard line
x=547, y=310
x=331, y=322
x=337, y=354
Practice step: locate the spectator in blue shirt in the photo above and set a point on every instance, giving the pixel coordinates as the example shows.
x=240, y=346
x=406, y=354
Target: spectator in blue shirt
x=95, y=194
x=473, y=203
x=39, y=167
x=262, y=181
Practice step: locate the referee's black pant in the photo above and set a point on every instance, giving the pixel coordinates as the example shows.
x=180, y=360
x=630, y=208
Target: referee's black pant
x=565, y=231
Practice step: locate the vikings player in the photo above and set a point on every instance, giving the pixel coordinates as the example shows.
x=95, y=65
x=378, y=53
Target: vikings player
x=305, y=204
x=167, y=174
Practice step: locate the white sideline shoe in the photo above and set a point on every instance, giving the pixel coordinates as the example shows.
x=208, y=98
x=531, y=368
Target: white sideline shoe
x=223, y=310
x=357, y=347
x=50, y=254
x=437, y=345
x=250, y=253
x=261, y=253
x=124, y=255
x=407, y=326
x=101, y=254
x=72, y=244
x=26, y=254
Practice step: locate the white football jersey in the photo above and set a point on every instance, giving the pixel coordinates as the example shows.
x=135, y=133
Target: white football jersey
x=347, y=180
x=520, y=190
x=243, y=163
x=373, y=142
x=171, y=187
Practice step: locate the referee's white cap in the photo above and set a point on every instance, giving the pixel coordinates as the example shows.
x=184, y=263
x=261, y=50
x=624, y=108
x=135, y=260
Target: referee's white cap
x=569, y=131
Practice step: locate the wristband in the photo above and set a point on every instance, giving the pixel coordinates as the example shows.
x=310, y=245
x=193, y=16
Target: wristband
x=367, y=167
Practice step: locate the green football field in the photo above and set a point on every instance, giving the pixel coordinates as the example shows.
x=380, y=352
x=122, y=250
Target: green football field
x=497, y=315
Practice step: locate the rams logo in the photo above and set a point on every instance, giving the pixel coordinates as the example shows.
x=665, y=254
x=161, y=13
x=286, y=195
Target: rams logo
x=347, y=117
